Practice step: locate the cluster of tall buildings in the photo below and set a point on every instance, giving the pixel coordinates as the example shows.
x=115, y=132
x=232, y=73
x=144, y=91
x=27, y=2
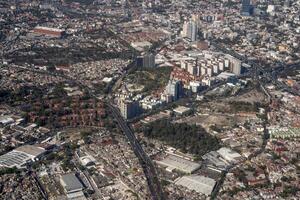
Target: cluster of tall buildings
x=146, y=60
x=210, y=64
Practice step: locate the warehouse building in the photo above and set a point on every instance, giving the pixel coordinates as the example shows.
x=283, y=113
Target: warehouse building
x=174, y=162
x=72, y=186
x=200, y=184
x=21, y=156
x=229, y=155
x=51, y=32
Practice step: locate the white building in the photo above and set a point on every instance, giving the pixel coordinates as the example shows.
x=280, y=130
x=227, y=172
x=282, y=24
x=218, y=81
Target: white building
x=190, y=30
x=200, y=184
x=21, y=156
x=174, y=162
x=229, y=155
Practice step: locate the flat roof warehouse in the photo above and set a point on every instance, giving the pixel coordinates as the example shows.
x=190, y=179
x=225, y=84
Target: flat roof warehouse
x=175, y=162
x=21, y=156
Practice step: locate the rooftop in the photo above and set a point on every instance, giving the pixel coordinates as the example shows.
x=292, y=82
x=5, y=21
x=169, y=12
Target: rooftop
x=198, y=183
x=181, y=164
x=71, y=183
x=31, y=150
x=181, y=109
x=48, y=29
x=20, y=156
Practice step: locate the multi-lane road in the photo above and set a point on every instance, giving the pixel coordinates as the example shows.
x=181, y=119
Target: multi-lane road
x=154, y=185
x=260, y=73
x=146, y=163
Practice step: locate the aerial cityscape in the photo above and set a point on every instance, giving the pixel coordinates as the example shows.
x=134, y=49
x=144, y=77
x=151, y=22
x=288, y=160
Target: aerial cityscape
x=150, y=100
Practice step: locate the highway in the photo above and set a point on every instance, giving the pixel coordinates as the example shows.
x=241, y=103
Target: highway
x=266, y=74
x=146, y=163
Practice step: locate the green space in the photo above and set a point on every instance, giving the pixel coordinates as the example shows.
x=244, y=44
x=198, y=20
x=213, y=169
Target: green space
x=65, y=56
x=188, y=138
x=151, y=78
x=4, y=171
x=289, y=191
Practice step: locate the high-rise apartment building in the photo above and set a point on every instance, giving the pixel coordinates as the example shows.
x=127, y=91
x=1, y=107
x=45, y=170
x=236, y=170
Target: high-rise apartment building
x=148, y=60
x=174, y=89
x=129, y=109
x=190, y=30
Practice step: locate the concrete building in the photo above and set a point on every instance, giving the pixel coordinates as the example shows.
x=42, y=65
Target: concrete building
x=129, y=108
x=149, y=60
x=226, y=76
x=182, y=110
x=200, y=184
x=21, y=156
x=229, y=155
x=195, y=86
x=174, y=89
x=174, y=162
x=5, y=120
x=190, y=30
x=192, y=68
x=235, y=65
x=72, y=186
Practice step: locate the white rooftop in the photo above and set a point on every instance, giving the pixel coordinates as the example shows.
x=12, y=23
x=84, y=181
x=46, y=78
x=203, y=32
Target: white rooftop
x=181, y=109
x=6, y=120
x=228, y=154
x=48, y=28
x=200, y=184
x=20, y=156
x=178, y=163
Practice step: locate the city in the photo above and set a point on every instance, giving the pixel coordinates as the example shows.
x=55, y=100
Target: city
x=149, y=99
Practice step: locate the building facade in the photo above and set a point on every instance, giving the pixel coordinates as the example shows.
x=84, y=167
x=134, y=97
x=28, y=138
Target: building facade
x=129, y=109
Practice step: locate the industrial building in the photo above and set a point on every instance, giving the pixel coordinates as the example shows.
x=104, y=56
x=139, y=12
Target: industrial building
x=52, y=32
x=72, y=186
x=229, y=155
x=21, y=156
x=200, y=184
x=182, y=110
x=174, y=162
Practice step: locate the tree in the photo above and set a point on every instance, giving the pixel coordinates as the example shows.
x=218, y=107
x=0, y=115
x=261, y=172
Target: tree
x=188, y=138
